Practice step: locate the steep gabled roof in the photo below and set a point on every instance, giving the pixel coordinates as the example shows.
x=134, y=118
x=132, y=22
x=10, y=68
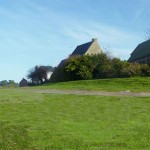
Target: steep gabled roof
x=82, y=49
x=23, y=82
x=89, y=48
x=142, y=50
x=61, y=64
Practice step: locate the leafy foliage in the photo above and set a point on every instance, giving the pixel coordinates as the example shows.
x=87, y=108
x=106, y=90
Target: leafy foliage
x=4, y=83
x=10, y=83
x=39, y=73
x=97, y=67
x=78, y=68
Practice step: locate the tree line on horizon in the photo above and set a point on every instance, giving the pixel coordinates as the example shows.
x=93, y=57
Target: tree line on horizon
x=10, y=83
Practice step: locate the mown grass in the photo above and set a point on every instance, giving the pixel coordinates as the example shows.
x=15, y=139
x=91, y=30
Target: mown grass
x=13, y=136
x=137, y=84
x=63, y=122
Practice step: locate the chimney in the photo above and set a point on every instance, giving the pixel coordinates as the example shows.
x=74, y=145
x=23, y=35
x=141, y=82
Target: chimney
x=94, y=39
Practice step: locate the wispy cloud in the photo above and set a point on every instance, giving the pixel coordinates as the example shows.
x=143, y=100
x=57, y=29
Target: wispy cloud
x=39, y=31
x=111, y=38
x=44, y=32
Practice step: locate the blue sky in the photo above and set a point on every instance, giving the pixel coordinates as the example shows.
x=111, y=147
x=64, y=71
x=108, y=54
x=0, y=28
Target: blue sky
x=43, y=32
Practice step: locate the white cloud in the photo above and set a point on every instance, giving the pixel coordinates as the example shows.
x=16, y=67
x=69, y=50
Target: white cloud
x=120, y=42
x=79, y=31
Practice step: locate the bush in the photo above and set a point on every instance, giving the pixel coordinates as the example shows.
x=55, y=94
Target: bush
x=145, y=70
x=78, y=68
x=131, y=70
x=96, y=67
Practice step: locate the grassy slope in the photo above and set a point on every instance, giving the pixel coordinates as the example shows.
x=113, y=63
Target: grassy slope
x=48, y=121
x=119, y=84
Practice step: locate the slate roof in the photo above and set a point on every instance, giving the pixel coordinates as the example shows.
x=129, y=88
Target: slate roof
x=61, y=64
x=92, y=47
x=82, y=49
x=141, y=51
x=23, y=82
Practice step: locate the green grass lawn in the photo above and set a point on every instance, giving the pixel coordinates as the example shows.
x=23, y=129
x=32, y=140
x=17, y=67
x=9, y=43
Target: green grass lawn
x=137, y=84
x=33, y=121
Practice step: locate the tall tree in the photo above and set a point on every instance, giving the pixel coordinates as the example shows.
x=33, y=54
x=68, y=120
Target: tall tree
x=39, y=73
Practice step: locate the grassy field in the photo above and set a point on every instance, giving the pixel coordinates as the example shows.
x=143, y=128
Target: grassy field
x=118, y=84
x=33, y=121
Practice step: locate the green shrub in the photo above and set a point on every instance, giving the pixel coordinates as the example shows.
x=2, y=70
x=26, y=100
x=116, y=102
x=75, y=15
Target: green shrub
x=145, y=70
x=96, y=67
x=131, y=70
x=78, y=68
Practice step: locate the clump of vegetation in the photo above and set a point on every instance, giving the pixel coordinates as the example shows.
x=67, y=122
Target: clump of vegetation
x=97, y=67
x=10, y=83
x=39, y=74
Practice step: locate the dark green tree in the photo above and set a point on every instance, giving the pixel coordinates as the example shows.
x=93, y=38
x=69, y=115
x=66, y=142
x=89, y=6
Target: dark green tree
x=12, y=83
x=4, y=83
x=78, y=68
x=39, y=73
